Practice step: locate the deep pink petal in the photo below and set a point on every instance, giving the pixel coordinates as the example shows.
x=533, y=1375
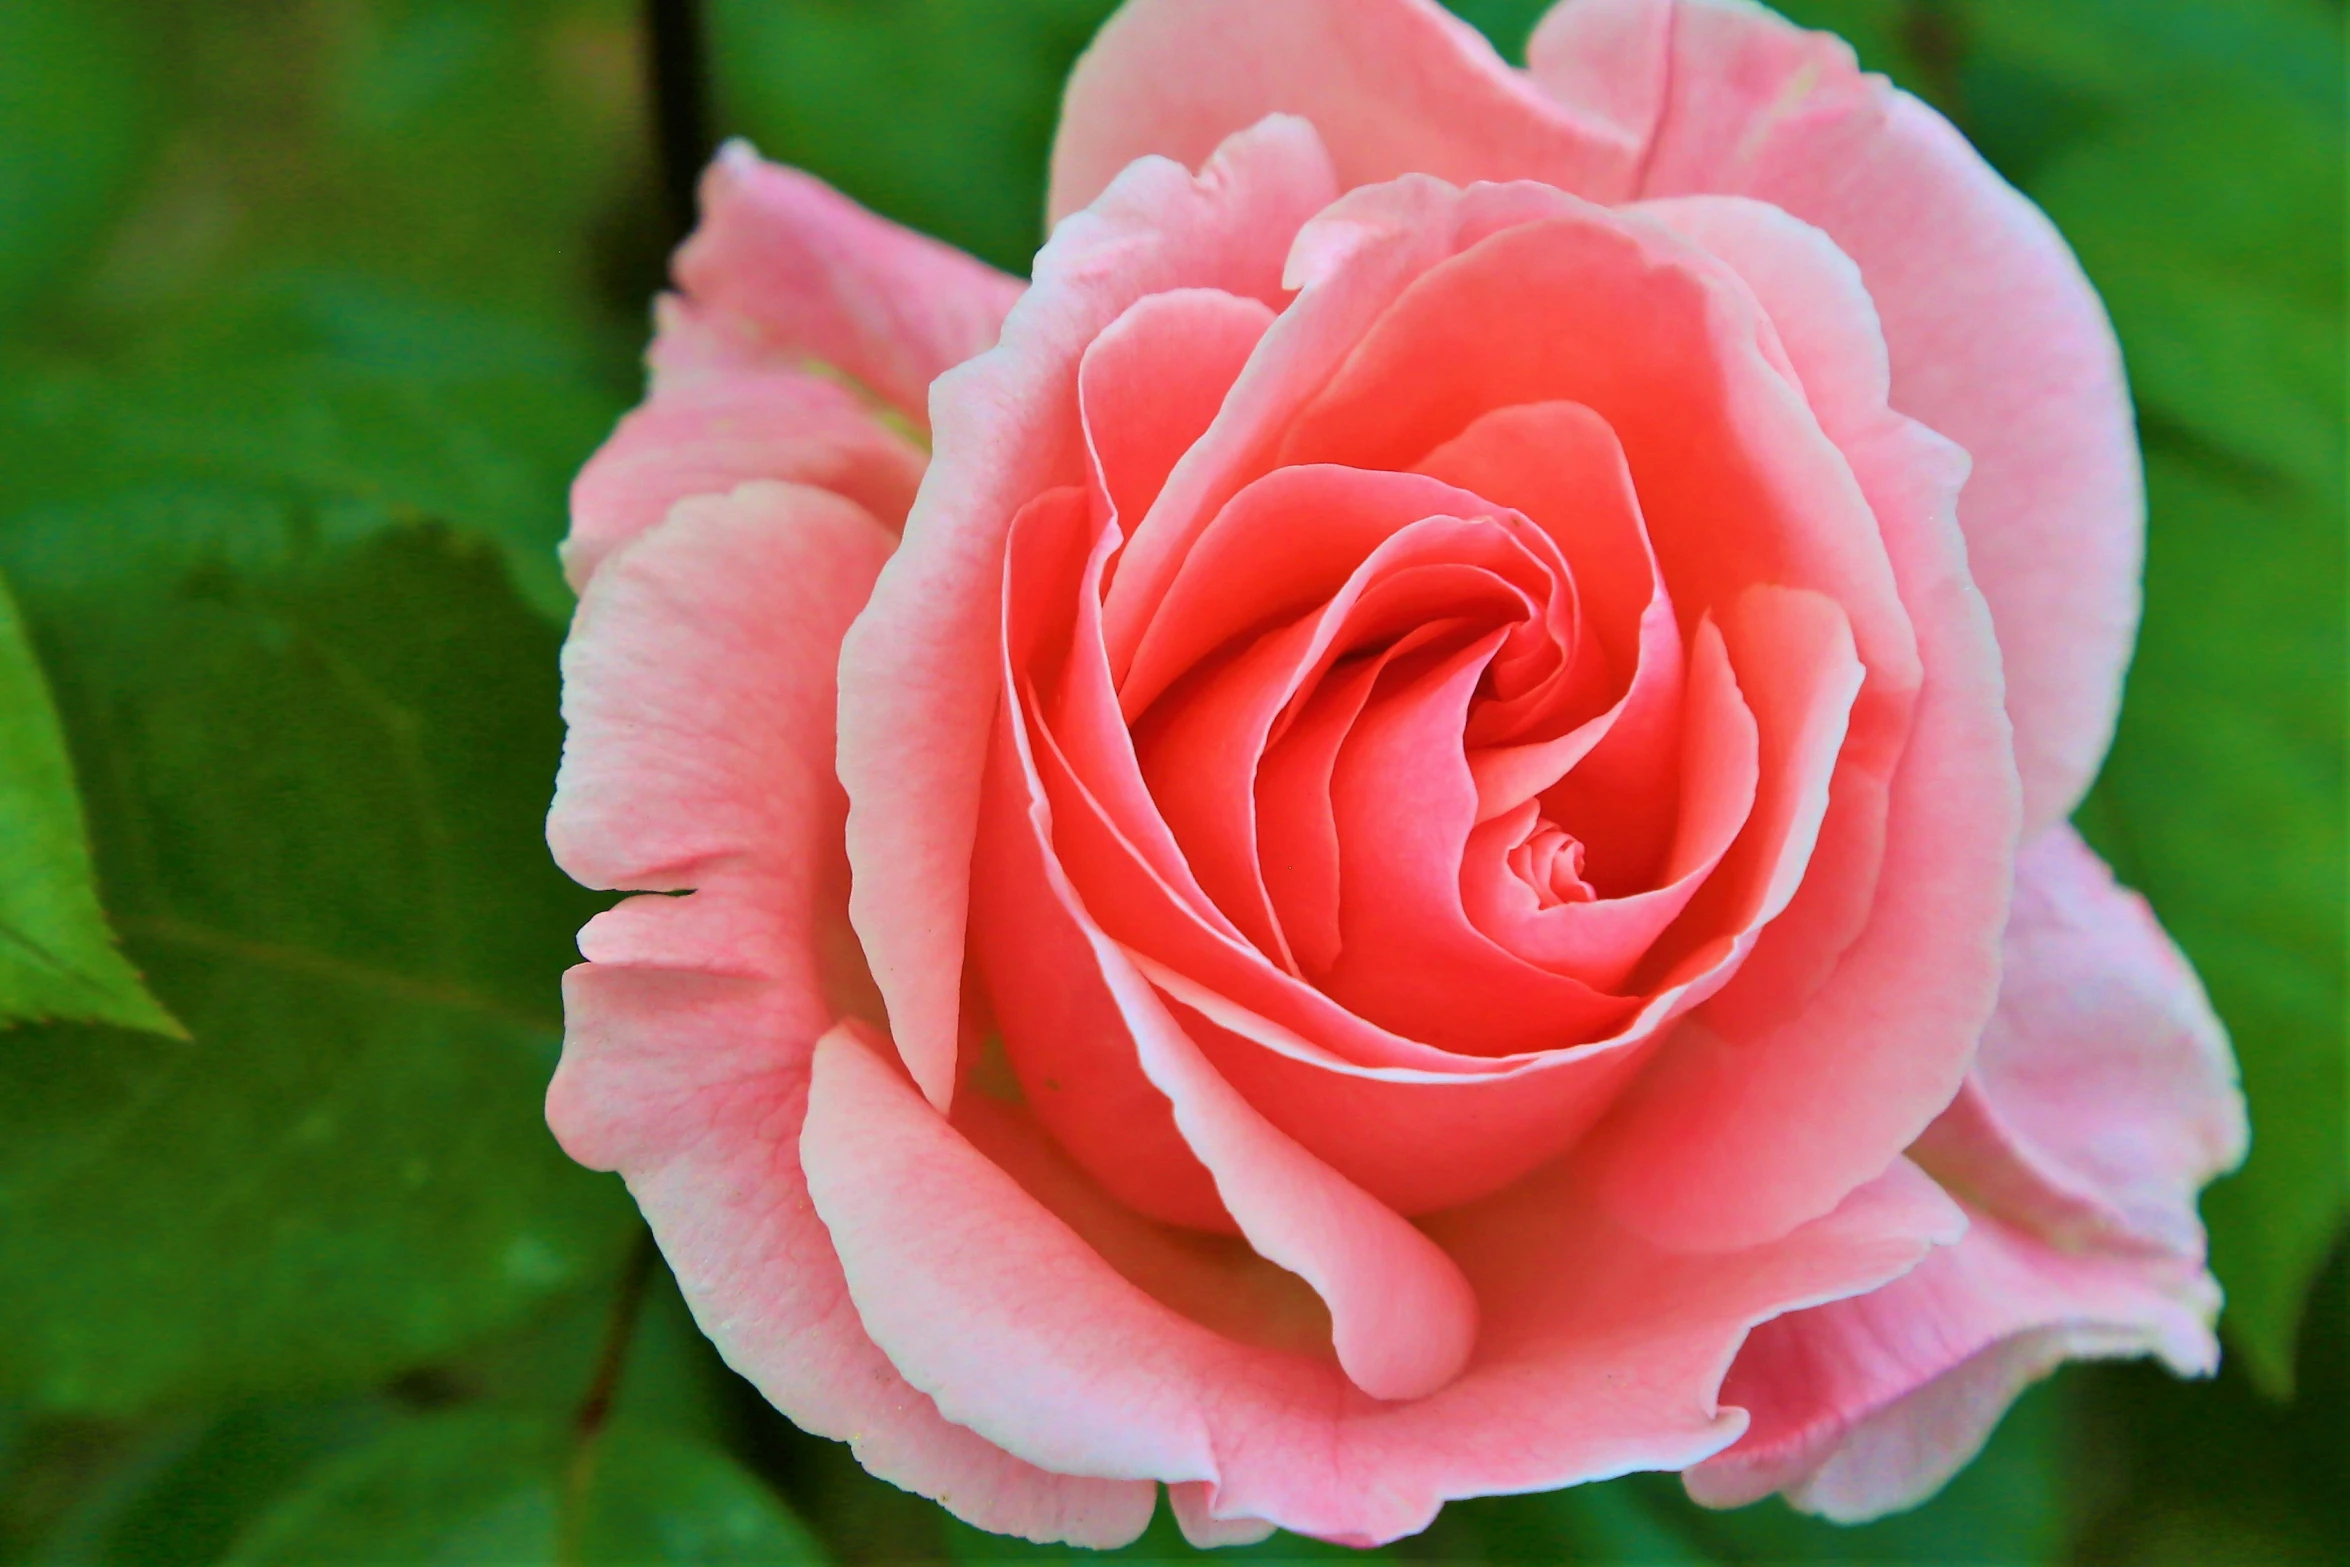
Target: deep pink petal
x=1997, y=339
x=1867, y=1405
x=696, y=689
x=797, y=268
x=1402, y=1318
x=1560, y=464
x=1394, y=86
x=1602, y=941
x=2104, y=1096
x=1409, y=958
x=1792, y=1037
x=1823, y=319
x=919, y=670
x=1737, y=482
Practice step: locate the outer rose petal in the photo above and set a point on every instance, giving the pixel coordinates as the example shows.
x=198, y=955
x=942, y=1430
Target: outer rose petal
x=2104, y=1096
x=1394, y=87
x=919, y=669
x=800, y=269
x=1997, y=339
x=1018, y=1327
x=1868, y=1405
x=697, y=687
x=722, y=411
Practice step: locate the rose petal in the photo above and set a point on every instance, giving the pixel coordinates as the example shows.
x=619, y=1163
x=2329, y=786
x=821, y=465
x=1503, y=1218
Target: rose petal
x=2104, y=1096
x=1703, y=1144
x=1867, y=1405
x=719, y=413
x=1997, y=339
x=1560, y=464
x=919, y=669
x=695, y=686
x=799, y=269
x=1021, y=1331
x=1827, y=326
x=1601, y=942
x=1402, y=1318
x=1152, y=382
x=1191, y=1503
x=1667, y=346
x=1394, y=86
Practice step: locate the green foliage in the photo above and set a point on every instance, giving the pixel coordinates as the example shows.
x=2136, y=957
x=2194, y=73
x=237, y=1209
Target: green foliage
x=74, y=117
x=57, y=959
x=937, y=112
x=319, y=828
x=494, y=1488
x=268, y=501
x=2205, y=200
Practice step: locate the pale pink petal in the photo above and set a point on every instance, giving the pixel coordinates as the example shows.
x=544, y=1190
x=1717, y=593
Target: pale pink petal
x=2104, y=1096
x=919, y=671
x=1867, y=1405
x=1018, y=1328
x=1997, y=339
x=799, y=270
x=1394, y=86
x=1203, y=1528
x=717, y=415
x=696, y=687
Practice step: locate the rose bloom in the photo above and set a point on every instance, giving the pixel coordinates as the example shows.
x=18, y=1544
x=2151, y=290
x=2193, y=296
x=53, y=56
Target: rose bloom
x=1399, y=833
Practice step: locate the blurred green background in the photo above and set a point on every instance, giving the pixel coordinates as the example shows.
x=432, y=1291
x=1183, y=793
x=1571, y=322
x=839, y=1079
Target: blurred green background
x=308, y=310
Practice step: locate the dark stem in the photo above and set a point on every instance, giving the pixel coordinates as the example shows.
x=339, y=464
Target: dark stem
x=628, y=1303
x=595, y=1405
x=1936, y=41
x=681, y=104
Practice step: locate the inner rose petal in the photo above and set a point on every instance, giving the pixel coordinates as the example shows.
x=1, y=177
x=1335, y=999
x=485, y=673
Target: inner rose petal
x=1199, y=749
x=1283, y=545
x=1409, y=957
x=1561, y=466
x=1601, y=941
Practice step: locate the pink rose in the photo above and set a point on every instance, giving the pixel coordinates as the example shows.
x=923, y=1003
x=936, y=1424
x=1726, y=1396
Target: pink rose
x=1434, y=758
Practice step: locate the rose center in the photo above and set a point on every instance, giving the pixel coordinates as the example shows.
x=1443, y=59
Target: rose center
x=1550, y=860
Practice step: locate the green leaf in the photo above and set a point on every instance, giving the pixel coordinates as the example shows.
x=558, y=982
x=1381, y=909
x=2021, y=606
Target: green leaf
x=936, y=112
x=493, y=153
x=330, y=389
x=486, y=1488
x=2210, y=216
x=2231, y=318
x=75, y=118
x=2223, y=803
x=316, y=747
x=57, y=958
x=182, y=1491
